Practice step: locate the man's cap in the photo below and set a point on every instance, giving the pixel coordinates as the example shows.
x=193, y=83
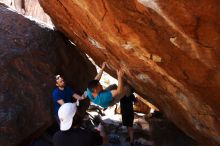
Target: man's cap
x=66, y=113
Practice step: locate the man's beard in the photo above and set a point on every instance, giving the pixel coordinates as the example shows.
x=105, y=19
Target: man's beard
x=62, y=86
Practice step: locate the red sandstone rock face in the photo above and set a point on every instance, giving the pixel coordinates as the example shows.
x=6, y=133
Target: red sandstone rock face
x=29, y=8
x=168, y=49
x=30, y=58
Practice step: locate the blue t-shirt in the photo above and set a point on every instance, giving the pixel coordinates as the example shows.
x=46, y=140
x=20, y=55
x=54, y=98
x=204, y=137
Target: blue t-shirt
x=103, y=99
x=66, y=95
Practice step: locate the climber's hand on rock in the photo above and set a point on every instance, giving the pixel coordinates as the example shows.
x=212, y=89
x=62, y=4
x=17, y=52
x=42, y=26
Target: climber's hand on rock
x=104, y=64
x=120, y=73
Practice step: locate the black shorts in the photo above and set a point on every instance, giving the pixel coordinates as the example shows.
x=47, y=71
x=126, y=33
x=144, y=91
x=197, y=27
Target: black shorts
x=128, y=119
x=127, y=111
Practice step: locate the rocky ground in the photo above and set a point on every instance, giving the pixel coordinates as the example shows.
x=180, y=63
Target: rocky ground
x=116, y=132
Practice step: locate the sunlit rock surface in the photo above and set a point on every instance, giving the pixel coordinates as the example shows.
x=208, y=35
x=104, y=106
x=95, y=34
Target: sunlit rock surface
x=168, y=49
x=30, y=57
x=29, y=8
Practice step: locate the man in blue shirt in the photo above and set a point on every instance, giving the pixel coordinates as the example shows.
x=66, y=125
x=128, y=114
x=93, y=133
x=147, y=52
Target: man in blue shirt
x=63, y=94
x=105, y=98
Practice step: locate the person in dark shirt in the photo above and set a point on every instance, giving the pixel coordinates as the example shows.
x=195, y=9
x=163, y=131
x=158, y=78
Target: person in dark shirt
x=70, y=134
x=63, y=94
x=127, y=112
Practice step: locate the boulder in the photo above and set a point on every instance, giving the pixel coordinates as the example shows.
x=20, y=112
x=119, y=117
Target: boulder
x=165, y=133
x=31, y=55
x=169, y=51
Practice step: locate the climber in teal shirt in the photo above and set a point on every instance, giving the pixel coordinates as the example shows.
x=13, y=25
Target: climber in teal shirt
x=106, y=97
x=103, y=99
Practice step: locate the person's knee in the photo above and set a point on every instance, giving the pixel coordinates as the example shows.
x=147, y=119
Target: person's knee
x=112, y=87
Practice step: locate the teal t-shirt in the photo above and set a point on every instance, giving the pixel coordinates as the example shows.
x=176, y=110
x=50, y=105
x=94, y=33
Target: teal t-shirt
x=103, y=99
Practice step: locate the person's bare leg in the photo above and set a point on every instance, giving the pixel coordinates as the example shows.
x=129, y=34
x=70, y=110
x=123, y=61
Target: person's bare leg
x=130, y=133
